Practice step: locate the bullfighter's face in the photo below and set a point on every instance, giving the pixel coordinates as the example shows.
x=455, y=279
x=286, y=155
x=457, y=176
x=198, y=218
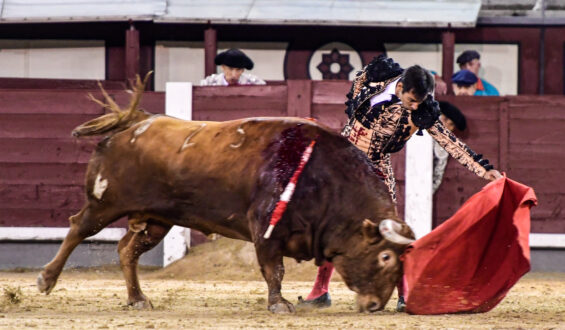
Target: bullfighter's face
x=409, y=99
x=373, y=268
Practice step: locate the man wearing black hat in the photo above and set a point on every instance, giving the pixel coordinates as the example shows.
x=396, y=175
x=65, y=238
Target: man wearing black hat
x=471, y=60
x=233, y=62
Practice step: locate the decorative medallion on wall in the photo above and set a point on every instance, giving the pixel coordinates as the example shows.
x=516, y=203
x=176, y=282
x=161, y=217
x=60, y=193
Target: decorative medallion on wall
x=335, y=60
x=335, y=65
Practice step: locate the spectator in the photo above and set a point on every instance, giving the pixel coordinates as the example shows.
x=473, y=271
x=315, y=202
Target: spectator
x=464, y=82
x=233, y=62
x=452, y=118
x=471, y=60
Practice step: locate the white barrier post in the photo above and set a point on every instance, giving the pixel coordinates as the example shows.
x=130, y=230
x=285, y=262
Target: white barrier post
x=419, y=192
x=178, y=104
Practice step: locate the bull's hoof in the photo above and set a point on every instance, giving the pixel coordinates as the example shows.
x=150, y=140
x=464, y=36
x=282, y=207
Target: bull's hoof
x=283, y=307
x=44, y=285
x=141, y=304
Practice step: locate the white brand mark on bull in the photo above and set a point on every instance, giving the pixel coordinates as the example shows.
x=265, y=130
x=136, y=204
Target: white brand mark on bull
x=240, y=143
x=99, y=186
x=186, y=143
x=142, y=128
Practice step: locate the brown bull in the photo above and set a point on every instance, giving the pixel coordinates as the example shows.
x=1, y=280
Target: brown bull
x=226, y=178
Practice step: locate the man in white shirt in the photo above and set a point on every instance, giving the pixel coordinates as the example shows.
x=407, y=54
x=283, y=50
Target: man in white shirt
x=233, y=62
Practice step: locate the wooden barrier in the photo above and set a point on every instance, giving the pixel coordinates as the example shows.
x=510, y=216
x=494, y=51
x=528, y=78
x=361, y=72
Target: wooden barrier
x=42, y=167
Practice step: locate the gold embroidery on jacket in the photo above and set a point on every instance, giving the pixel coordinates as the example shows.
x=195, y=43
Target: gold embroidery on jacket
x=456, y=148
x=390, y=131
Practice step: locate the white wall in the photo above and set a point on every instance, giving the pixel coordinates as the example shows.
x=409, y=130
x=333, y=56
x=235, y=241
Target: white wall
x=316, y=59
x=57, y=59
x=178, y=62
x=425, y=55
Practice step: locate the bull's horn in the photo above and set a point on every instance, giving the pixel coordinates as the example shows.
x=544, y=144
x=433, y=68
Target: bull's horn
x=389, y=229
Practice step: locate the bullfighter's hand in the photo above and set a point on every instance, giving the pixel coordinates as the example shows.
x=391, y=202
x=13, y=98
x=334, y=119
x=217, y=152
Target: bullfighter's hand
x=492, y=175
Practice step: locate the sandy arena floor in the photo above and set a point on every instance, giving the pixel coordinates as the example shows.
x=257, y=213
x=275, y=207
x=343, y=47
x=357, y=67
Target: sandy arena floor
x=205, y=291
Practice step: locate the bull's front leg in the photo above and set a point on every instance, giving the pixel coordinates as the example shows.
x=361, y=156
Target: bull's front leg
x=270, y=259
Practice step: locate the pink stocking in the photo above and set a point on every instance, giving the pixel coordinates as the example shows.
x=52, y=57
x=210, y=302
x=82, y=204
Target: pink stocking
x=322, y=283
x=400, y=287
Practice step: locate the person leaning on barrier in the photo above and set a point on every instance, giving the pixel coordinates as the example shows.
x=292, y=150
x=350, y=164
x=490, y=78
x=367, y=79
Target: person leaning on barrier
x=386, y=106
x=453, y=119
x=234, y=63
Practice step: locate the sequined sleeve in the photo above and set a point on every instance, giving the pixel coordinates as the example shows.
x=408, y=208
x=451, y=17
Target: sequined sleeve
x=249, y=79
x=384, y=165
x=459, y=150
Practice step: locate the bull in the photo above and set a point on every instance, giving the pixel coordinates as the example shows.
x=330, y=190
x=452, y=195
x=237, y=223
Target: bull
x=226, y=178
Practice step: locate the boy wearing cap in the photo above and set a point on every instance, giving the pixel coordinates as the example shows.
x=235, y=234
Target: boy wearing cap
x=233, y=62
x=471, y=60
x=464, y=82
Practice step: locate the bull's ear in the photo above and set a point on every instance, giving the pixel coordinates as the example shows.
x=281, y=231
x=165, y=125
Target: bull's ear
x=371, y=231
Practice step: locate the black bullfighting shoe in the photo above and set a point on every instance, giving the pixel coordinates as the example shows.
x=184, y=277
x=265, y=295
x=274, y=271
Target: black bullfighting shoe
x=401, y=304
x=322, y=301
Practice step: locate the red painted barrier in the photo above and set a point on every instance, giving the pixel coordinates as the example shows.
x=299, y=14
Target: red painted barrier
x=521, y=135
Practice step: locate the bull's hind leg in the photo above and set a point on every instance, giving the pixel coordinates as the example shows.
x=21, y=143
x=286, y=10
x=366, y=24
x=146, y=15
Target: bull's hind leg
x=270, y=259
x=138, y=240
x=89, y=221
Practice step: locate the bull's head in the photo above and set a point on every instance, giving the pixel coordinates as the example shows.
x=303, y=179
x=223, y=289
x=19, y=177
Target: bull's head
x=372, y=267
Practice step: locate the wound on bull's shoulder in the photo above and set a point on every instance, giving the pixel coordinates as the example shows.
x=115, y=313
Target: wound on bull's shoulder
x=288, y=149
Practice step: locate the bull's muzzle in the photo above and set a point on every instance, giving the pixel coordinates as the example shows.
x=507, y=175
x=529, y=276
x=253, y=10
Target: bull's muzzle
x=391, y=229
x=368, y=303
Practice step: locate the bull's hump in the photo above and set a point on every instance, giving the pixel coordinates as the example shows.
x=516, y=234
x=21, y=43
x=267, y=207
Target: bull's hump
x=279, y=120
x=174, y=122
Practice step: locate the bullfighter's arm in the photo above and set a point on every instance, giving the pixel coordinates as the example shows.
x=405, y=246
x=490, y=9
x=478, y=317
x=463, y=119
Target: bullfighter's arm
x=384, y=165
x=459, y=150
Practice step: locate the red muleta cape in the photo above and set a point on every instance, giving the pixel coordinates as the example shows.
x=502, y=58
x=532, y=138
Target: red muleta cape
x=470, y=262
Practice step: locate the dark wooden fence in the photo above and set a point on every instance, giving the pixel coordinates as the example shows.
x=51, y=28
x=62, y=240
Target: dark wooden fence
x=42, y=166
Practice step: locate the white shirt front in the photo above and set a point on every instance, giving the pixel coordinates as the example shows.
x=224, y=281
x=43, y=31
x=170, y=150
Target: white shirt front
x=386, y=95
x=218, y=79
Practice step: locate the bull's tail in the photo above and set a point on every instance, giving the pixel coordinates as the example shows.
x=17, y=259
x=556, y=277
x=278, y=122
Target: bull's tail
x=118, y=119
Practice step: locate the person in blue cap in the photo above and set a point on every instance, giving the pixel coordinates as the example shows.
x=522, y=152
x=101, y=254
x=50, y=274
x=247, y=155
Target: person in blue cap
x=464, y=83
x=471, y=60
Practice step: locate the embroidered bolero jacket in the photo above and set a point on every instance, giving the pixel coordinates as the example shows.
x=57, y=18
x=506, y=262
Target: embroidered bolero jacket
x=385, y=127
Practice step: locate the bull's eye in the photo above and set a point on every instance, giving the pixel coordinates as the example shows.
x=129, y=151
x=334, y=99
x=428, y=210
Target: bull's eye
x=387, y=258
